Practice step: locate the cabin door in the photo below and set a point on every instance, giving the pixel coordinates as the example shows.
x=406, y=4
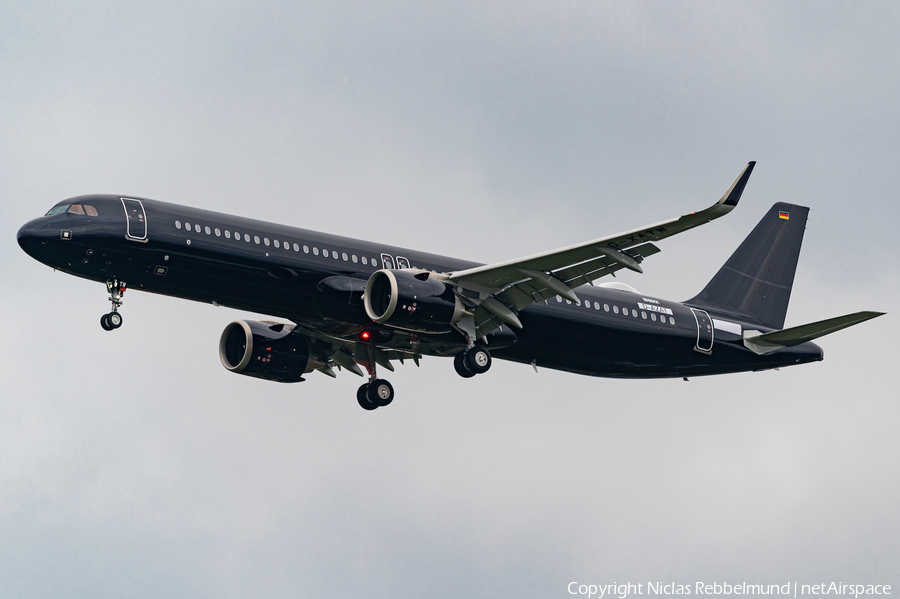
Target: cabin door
x=136, y=220
x=704, y=331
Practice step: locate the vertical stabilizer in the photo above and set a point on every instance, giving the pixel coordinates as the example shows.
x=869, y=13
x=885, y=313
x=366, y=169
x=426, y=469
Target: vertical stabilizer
x=756, y=281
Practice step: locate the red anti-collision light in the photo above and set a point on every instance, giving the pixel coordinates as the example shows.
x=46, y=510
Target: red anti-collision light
x=364, y=335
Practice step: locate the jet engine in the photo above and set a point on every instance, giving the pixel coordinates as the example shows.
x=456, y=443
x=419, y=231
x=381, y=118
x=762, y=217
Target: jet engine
x=266, y=351
x=411, y=301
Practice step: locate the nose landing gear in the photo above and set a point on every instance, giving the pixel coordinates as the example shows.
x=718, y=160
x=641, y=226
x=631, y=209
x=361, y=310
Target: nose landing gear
x=113, y=320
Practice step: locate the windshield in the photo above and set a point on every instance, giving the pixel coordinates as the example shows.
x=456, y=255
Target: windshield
x=79, y=209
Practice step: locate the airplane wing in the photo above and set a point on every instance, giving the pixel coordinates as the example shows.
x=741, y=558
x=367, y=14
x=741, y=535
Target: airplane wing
x=495, y=293
x=331, y=352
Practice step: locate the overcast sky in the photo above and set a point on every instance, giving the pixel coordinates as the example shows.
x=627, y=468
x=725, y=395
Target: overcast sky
x=133, y=464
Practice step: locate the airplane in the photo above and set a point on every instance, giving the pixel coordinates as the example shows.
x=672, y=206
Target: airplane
x=354, y=305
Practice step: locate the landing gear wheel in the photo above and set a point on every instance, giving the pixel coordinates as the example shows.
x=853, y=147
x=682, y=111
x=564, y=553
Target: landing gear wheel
x=363, y=399
x=478, y=360
x=114, y=319
x=380, y=393
x=459, y=362
x=104, y=322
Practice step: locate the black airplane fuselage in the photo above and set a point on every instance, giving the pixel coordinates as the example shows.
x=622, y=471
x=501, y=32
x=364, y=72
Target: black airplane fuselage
x=278, y=270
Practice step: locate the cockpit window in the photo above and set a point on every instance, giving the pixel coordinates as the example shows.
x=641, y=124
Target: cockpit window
x=79, y=209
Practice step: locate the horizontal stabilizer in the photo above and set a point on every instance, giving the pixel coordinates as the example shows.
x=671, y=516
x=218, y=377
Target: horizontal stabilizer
x=763, y=343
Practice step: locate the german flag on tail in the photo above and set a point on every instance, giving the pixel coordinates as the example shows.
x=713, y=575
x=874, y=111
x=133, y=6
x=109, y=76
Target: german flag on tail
x=784, y=215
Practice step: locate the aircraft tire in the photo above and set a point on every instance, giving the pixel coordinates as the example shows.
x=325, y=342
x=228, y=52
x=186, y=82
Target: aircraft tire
x=104, y=322
x=380, y=393
x=459, y=363
x=362, y=396
x=114, y=319
x=478, y=359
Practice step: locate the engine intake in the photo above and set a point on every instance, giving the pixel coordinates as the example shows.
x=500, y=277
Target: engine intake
x=266, y=351
x=415, y=302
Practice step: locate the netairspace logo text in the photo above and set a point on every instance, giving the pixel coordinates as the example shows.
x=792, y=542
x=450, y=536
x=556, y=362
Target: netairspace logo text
x=790, y=589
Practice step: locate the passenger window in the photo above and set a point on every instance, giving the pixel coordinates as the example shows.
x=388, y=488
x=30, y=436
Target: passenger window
x=90, y=210
x=587, y=304
x=256, y=239
x=277, y=244
x=672, y=319
x=177, y=224
x=653, y=316
x=569, y=302
x=188, y=227
x=334, y=255
x=208, y=231
x=364, y=260
x=325, y=253
x=227, y=234
x=558, y=300
x=305, y=248
x=355, y=259
x=218, y=232
x=597, y=306
x=625, y=311
x=345, y=256
x=266, y=241
x=76, y=209
x=644, y=315
x=634, y=312
x=315, y=251
x=197, y=228
x=247, y=237
x=606, y=307
x=616, y=309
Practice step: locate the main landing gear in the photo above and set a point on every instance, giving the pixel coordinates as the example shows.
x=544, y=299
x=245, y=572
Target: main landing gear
x=475, y=360
x=113, y=320
x=377, y=393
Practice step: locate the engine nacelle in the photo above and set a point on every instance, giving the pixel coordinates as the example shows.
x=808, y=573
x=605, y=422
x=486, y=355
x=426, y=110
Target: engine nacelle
x=415, y=302
x=265, y=351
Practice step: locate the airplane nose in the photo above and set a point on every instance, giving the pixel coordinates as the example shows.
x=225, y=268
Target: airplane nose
x=32, y=236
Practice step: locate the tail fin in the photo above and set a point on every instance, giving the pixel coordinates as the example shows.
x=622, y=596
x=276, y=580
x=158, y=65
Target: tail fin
x=756, y=281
